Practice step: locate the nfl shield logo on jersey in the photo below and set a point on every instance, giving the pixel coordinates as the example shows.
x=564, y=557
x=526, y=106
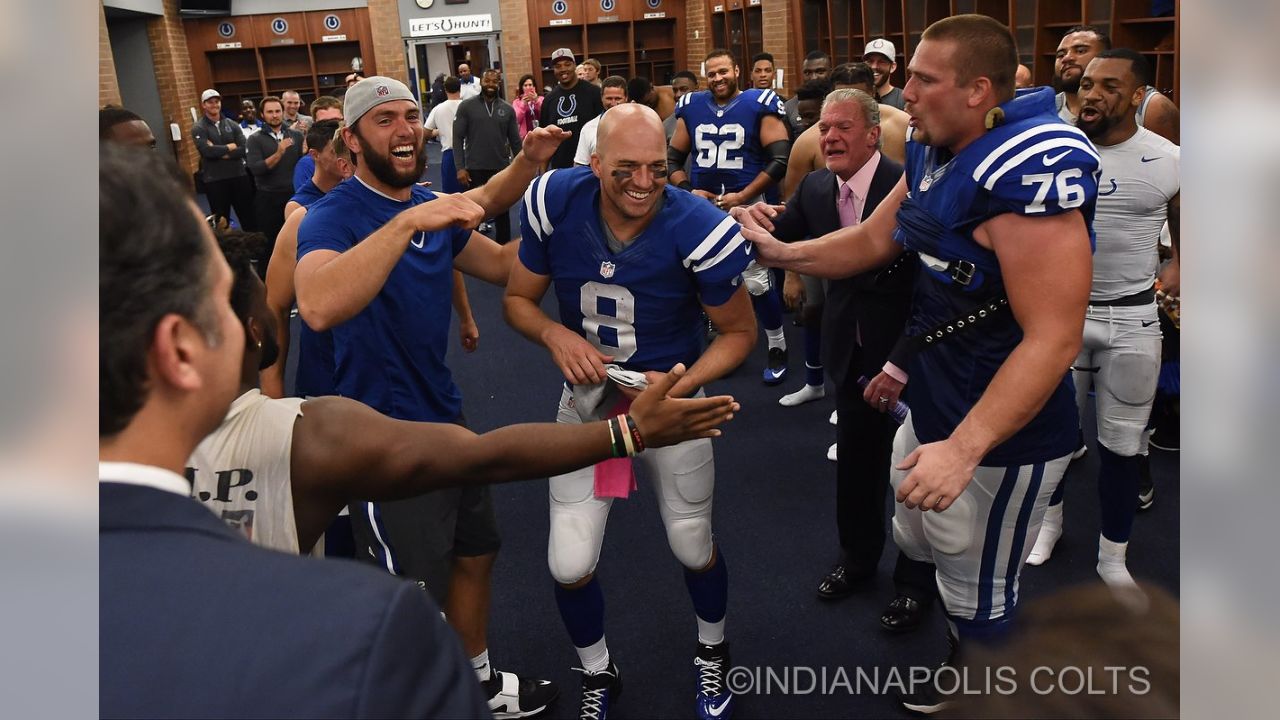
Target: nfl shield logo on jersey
x=606, y=270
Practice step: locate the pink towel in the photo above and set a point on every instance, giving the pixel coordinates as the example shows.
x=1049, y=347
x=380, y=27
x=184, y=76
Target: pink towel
x=616, y=477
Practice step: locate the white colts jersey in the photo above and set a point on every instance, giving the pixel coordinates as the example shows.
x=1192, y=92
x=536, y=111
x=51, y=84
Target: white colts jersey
x=241, y=471
x=1139, y=177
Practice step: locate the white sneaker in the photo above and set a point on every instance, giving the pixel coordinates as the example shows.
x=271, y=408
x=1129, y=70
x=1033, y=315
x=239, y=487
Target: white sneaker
x=833, y=419
x=808, y=393
x=1114, y=572
x=831, y=452
x=1050, y=531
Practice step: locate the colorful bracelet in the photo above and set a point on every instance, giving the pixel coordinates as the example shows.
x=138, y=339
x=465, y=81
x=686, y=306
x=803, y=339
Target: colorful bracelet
x=626, y=435
x=635, y=433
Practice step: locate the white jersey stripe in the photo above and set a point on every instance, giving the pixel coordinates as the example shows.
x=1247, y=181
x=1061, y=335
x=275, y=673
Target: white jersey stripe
x=1018, y=140
x=1036, y=149
x=547, y=229
x=712, y=239
x=530, y=210
x=734, y=243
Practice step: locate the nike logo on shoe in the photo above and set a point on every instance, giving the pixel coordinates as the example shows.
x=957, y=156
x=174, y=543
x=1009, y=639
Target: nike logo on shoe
x=1049, y=160
x=1147, y=159
x=716, y=710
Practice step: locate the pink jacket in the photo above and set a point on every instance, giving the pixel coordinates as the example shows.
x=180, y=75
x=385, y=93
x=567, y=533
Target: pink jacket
x=527, y=114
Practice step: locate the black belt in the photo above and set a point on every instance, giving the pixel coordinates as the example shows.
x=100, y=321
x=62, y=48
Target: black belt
x=1142, y=297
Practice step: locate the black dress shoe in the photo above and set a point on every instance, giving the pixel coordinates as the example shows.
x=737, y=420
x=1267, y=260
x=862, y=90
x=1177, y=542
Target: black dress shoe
x=838, y=584
x=903, y=614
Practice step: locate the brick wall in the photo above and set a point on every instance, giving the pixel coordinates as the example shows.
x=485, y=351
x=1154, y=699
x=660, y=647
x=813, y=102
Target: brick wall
x=108, y=85
x=696, y=13
x=174, y=81
x=776, y=19
x=517, y=47
x=388, y=46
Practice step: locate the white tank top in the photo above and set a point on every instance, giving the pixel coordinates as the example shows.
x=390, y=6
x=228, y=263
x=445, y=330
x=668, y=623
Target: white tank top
x=1139, y=176
x=241, y=471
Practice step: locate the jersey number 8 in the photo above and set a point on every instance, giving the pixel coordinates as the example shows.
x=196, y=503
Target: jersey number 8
x=612, y=333
x=713, y=153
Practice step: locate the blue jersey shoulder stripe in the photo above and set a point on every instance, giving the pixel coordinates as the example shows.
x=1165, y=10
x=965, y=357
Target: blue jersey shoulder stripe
x=698, y=259
x=1040, y=147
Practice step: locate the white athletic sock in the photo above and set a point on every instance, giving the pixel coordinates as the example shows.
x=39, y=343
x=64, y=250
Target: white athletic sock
x=832, y=453
x=777, y=338
x=595, y=657
x=1050, y=531
x=803, y=395
x=480, y=664
x=1114, y=572
x=710, y=633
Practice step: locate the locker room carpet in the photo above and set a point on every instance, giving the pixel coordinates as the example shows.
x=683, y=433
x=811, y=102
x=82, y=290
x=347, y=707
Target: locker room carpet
x=775, y=522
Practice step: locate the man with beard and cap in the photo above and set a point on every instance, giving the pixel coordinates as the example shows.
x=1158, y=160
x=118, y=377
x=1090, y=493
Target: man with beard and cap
x=880, y=55
x=569, y=106
x=1120, y=361
x=485, y=138
x=1002, y=197
x=375, y=265
x=1081, y=44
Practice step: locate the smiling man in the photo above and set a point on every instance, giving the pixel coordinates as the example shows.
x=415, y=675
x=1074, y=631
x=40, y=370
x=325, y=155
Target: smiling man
x=572, y=104
x=635, y=263
x=375, y=264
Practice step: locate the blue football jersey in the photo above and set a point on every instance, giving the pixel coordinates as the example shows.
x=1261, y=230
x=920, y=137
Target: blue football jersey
x=641, y=305
x=725, y=141
x=1035, y=165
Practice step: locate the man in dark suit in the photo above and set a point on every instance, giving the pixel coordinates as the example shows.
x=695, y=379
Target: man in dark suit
x=196, y=621
x=863, y=318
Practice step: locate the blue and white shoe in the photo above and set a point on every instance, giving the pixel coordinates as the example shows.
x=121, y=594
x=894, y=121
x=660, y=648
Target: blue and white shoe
x=715, y=700
x=599, y=691
x=511, y=696
x=775, y=370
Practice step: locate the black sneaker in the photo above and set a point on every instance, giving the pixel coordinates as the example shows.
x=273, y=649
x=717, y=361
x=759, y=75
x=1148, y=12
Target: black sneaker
x=715, y=700
x=599, y=691
x=923, y=697
x=515, y=697
x=1146, y=487
x=776, y=369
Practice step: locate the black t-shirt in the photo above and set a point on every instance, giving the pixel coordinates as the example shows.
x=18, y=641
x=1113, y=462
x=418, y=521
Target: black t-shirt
x=570, y=109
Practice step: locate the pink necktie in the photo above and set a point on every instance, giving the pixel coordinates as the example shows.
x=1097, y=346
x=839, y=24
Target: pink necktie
x=848, y=214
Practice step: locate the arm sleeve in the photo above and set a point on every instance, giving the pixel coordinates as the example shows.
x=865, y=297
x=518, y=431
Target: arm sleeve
x=791, y=225
x=431, y=118
x=716, y=255
x=415, y=667
x=513, y=134
x=255, y=156
x=460, y=137
x=303, y=171
x=319, y=231
x=208, y=149
x=533, y=224
x=239, y=152
x=1051, y=173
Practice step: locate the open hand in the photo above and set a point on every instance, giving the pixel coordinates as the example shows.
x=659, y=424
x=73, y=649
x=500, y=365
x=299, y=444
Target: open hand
x=940, y=472
x=579, y=360
x=541, y=143
x=663, y=420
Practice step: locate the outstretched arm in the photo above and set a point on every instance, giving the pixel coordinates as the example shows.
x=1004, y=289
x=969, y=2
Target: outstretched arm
x=344, y=450
x=507, y=187
x=839, y=254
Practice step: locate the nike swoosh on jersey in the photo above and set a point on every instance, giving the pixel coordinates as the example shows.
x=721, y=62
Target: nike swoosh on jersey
x=422, y=240
x=1147, y=159
x=1047, y=160
x=1149, y=324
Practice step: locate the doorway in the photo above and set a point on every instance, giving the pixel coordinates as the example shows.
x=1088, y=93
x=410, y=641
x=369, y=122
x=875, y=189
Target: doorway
x=429, y=58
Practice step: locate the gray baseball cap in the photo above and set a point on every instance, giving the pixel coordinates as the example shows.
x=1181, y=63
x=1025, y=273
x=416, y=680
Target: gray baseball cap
x=370, y=93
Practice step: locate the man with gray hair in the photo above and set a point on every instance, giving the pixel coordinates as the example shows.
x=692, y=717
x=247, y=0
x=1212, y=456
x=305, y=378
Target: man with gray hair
x=863, y=317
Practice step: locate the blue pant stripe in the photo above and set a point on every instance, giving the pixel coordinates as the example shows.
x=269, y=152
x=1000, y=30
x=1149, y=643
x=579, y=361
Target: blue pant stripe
x=991, y=543
x=1020, y=536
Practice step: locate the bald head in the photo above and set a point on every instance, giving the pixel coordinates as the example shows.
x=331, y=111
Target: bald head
x=632, y=119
